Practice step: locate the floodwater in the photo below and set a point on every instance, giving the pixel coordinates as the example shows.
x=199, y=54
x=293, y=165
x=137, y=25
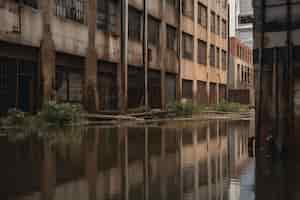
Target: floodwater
x=208, y=160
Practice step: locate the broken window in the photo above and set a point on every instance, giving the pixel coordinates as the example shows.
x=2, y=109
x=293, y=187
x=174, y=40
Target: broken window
x=70, y=9
x=224, y=28
x=3, y=77
x=202, y=15
x=107, y=15
x=171, y=38
x=153, y=31
x=134, y=24
x=212, y=56
x=213, y=22
x=31, y=3
x=218, y=58
x=224, y=60
x=202, y=52
x=188, y=46
x=188, y=8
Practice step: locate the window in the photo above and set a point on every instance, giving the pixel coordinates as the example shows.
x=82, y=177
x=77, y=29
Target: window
x=224, y=29
x=172, y=3
x=71, y=9
x=153, y=31
x=171, y=38
x=202, y=52
x=3, y=77
x=188, y=8
x=224, y=60
x=202, y=15
x=31, y=3
x=247, y=19
x=188, y=46
x=213, y=22
x=134, y=24
x=218, y=25
x=212, y=56
x=107, y=15
x=218, y=58
x=239, y=73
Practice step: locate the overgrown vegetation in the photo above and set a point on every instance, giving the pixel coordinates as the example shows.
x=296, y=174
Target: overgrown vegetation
x=53, y=114
x=186, y=107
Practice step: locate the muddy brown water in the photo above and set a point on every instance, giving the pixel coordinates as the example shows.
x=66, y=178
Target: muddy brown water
x=207, y=160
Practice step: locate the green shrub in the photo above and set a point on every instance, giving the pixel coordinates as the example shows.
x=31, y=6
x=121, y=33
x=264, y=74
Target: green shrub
x=14, y=117
x=228, y=107
x=182, y=108
x=60, y=113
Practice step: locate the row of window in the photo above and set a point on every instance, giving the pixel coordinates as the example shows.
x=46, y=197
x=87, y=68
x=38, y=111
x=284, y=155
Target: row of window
x=244, y=74
x=217, y=56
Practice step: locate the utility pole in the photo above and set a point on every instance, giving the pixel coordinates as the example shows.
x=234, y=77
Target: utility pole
x=123, y=98
x=145, y=52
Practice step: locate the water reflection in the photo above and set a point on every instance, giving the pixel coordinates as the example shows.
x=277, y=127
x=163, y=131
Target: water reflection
x=184, y=161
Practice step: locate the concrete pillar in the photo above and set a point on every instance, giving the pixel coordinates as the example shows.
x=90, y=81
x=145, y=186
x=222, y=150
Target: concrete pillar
x=162, y=50
x=48, y=177
x=123, y=69
x=179, y=34
x=195, y=60
x=91, y=161
x=209, y=166
x=146, y=165
x=163, y=178
x=145, y=53
x=124, y=163
x=196, y=164
x=91, y=97
x=47, y=58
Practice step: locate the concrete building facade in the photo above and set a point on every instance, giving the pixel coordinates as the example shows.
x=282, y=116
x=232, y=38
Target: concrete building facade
x=241, y=20
x=89, y=52
x=240, y=73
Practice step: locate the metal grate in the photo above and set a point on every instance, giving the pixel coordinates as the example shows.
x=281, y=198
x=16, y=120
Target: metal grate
x=71, y=9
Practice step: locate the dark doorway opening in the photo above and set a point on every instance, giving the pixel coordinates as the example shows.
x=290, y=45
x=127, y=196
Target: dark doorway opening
x=108, y=87
x=136, y=87
x=154, y=89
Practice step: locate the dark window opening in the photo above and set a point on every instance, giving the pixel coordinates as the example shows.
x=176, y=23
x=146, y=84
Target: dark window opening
x=224, y=60
x=202, y=52
x=171, y=38
x=134, y=24
x=218, y=25
x=188, y=8
x=31, y=3
x=187, y=89
x=173, y=3
x=213, y=22
x=224, y=29
x=107, y=15
x=218, y=58
x=3, y=76
x=153, y=31
x=69, y=85
x=188, y=46
x=247, y=19
x=212, y=56
x=71, y=9
x=202, y=15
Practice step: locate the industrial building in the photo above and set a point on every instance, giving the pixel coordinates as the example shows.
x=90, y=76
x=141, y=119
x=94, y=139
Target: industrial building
x=95, y=52
x=240, y=73
x=278, y=88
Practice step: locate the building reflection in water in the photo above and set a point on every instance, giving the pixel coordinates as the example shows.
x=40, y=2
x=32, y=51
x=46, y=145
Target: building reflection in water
x=184, y=161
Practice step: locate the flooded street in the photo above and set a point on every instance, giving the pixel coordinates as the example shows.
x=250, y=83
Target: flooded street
x=183, y=160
